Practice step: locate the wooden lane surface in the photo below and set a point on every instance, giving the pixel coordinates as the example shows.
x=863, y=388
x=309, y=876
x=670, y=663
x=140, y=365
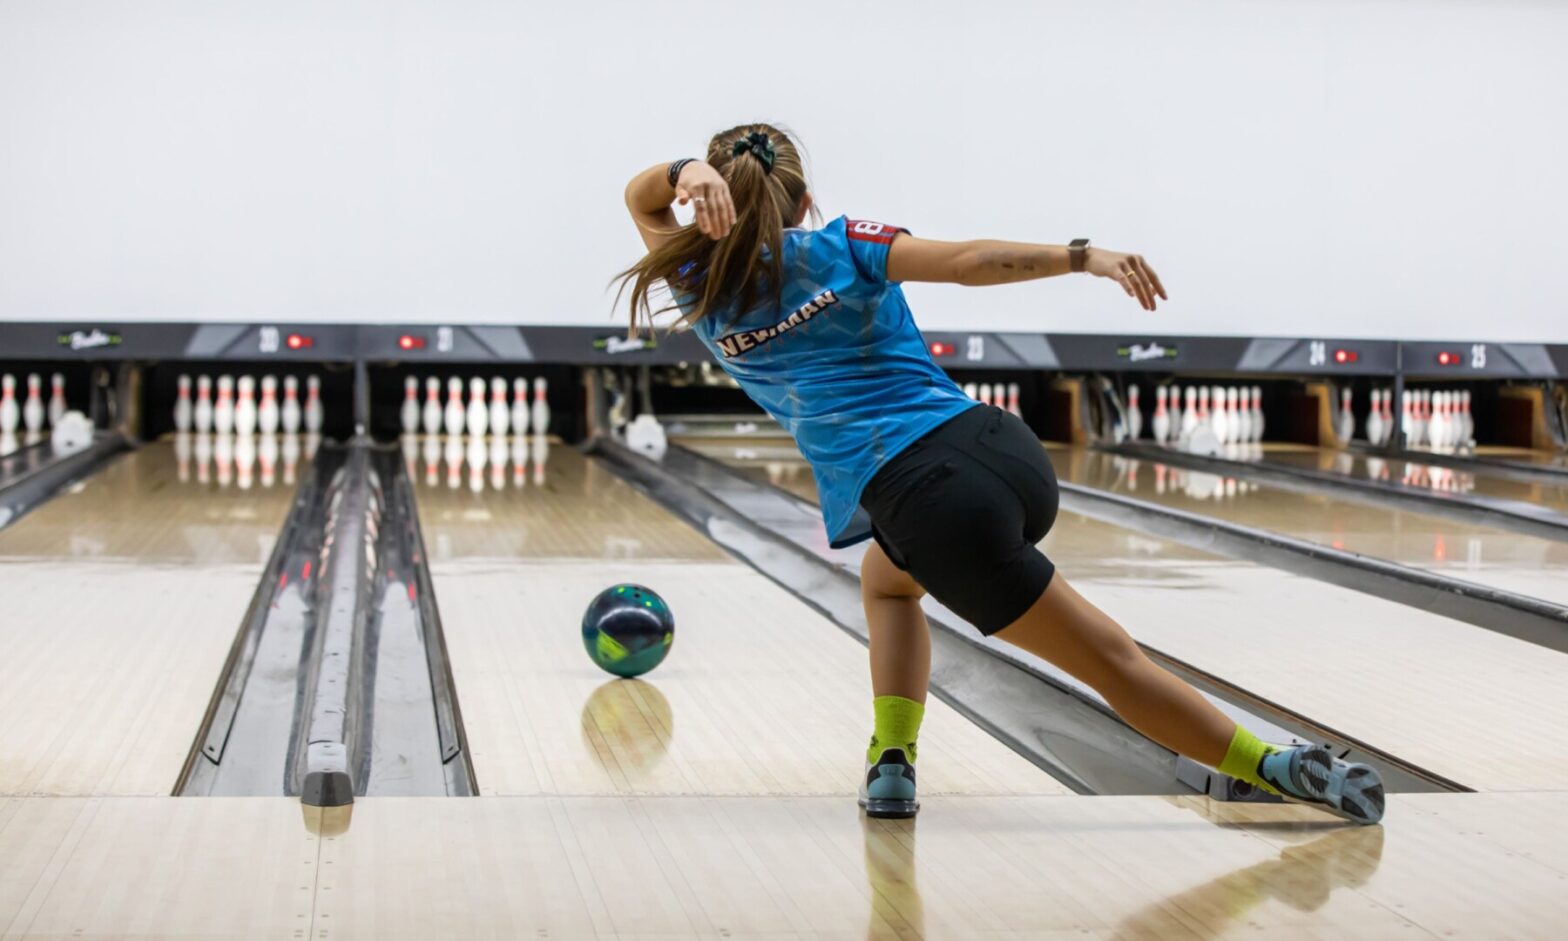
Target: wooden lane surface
x=1553, y=496
x=760, y=694
x=1498, y=558
x=1457, y=699
x=122, y=598
x=1443, y=866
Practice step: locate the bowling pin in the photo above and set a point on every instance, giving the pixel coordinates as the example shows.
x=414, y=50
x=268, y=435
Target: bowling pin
x=519, y=406
x=541, y=416
x=432, y=414
x=1346, y=427
x=267, y=414
x=478, y=417
x=56, y=399
x=1134, y=414
x=972, y=390
x=1257, y=413
x=33, y=410
x=182, y=405
x=1012, y=399
x=315, y=414
x=1467, y=433
x=500, y=415
x=10, y=413
x=1189, y=416
x=223, y=412
x=1240, y=417
x=1407, y=418
x=454, y=406
x=245, y=407
x=1375, y=419
x=1162, y=420
x=290, y=412
x=201, y=415
x=985, y=393
x=409, y=416
x=1219, y=422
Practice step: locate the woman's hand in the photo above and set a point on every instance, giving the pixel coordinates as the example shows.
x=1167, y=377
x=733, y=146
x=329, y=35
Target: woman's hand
x=1130, y=271
x=701, y=185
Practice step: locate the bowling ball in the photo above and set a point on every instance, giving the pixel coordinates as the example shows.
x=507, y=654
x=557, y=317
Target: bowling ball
x=628, y=630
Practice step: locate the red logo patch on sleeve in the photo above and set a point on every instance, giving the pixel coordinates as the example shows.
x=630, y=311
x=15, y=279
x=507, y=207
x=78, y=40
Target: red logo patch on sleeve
x=862, y=231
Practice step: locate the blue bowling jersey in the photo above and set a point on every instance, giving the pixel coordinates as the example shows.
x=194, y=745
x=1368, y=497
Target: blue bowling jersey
x=840, y=364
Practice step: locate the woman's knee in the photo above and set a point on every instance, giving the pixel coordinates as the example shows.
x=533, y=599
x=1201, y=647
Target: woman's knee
x=880, y=578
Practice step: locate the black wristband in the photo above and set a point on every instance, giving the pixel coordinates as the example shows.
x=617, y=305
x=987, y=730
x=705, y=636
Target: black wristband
x=673, y=173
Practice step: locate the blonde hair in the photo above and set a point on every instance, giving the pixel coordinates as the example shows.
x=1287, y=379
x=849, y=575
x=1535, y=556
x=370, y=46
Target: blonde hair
x=767, y=183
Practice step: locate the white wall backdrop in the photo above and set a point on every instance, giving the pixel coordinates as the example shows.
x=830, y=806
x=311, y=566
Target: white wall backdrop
x=1384, y=168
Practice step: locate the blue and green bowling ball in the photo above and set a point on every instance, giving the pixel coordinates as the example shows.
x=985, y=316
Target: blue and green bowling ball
x=628, y=629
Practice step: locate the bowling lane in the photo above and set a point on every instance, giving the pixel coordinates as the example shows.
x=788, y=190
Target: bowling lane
x=1553, y=496
x=760, y=694
x=1486, y=556
x=121, y=598
x=1344, y=658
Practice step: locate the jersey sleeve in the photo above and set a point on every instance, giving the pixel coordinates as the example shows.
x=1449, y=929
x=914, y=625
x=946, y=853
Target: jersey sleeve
x=868, y=246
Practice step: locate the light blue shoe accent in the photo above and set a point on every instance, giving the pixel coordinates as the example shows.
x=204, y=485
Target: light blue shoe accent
x=889, y=786
x=1311, y=774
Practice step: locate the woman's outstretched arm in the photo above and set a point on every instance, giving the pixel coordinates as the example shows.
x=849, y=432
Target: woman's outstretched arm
x=987, y=261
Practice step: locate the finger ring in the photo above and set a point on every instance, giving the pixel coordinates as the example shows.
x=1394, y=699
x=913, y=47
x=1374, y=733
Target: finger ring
x=699, y=199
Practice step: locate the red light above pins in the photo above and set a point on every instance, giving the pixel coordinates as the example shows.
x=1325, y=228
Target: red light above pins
x=410, y=342
x=1346, y=356
x=298, y=341
x=943, y=349
x=1446, y=358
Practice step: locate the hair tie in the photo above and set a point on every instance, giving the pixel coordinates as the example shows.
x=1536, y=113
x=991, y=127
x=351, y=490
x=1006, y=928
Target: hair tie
x=759, y=146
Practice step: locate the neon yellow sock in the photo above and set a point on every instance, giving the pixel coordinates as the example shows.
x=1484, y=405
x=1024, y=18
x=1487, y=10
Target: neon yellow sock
x=897, y=725
x=1243, y=757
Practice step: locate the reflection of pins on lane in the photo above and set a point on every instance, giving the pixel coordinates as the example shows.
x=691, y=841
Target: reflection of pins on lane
x=410, y=446
x=541, y=416
x=56, y=399
x=223, y=412
x=10, y=412
x=182, y=454
x=432, y=416
x=519, y=460
x=244, y=461
x=203, y=457
x=478, y=417
x=223, y=457
x=454, y=461
x=541, y=457
x=268, y=457
x=498, y=454
x=519, y=406
x=500, y=414
x=409, y=416
x=245, y=406
x=314, y=412
x=289, y=414
x=182, y=406
x=267, y=414
x=431, y=455
x=454, y=406
x=290, y=458
x=478, y=453
x=33, y=410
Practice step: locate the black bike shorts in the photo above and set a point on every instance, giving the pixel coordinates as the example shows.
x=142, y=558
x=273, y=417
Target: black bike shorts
x=961, y=511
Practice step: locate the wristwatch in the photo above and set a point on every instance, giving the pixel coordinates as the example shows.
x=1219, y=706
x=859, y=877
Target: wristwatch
x=1078, y=253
